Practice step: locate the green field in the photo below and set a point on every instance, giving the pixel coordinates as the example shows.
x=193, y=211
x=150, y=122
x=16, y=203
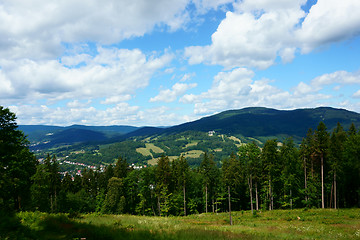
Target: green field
x=146, y=151
x=277, y=224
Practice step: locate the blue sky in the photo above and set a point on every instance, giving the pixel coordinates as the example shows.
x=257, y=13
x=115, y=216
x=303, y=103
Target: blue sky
x=165, y=62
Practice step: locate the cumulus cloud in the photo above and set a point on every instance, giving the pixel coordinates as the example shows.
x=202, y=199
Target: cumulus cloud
x=259, y=31
x=329, y=21
x=113, y=72
x=37, y=29
x=251, y=36
x=356, y=94
x=237, y=89
x=170, y=95
x=340, y=77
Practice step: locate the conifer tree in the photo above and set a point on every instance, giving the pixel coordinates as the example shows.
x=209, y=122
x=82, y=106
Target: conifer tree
x=321, y=147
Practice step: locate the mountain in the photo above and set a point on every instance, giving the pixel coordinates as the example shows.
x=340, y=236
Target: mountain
x=262, y=122
x=253, y=122
x=44, y=136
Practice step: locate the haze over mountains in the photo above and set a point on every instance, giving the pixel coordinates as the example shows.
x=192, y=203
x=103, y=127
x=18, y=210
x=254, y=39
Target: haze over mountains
x=248, y=122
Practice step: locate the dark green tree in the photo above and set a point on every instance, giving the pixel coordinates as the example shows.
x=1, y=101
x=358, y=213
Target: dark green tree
x=115, y=197
x=17, y=164
x=249, y=156
x=180, y=169
x=121, y=168
x=46, y=185
x=290, y=174
x=210, y=174
x=163, y=180
x=336, y=157
x=270, y=159
x=231, y=177
x=321, y=143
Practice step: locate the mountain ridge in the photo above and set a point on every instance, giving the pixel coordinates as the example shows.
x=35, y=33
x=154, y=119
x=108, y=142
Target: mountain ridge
x=248, y=122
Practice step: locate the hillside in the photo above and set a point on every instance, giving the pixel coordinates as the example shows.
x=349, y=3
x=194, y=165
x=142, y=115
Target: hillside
x=263, y=122
x=229, y=129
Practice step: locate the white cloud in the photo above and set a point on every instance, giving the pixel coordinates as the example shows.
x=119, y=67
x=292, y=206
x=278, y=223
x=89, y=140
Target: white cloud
x=170, y=95
x=113, y=72
x=116, y=99
x=38, y=29
x=247, y=38
x=259, y=31
x=329, y=21
x=340, y=77
x=356, y=94
x=237, y=89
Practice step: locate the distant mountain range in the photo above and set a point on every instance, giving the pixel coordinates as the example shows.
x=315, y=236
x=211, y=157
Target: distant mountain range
x=252, y=122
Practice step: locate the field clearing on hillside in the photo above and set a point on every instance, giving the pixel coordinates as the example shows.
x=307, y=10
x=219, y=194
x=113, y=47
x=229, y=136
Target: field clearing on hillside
x=149, y=146
x=276, y=224
x=193, y=143
x=155, y=160
x=237, y=141
x=193, y=154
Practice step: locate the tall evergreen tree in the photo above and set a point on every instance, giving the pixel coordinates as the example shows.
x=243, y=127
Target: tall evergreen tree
x=17, y=163
x=249, y=155
x=321, y=147
x=115, y=199
x=209, y=173
x=336, y=157
x=291, y=167
x=163, y=184
x=271, y=170
x=231, y=177
x=180, y=169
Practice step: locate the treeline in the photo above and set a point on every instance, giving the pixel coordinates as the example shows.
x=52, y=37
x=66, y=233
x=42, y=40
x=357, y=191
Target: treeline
x=324, y=171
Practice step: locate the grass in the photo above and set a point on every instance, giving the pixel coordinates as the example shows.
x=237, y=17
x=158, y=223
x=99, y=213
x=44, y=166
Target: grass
x=146, y=151
x=278, y=224
x=193, y=154
x=193, y=143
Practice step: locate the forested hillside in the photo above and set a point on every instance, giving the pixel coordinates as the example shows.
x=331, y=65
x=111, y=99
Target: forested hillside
x=77, y=147
x=323, y=172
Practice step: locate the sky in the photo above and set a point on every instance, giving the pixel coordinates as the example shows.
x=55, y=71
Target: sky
x=166, y=62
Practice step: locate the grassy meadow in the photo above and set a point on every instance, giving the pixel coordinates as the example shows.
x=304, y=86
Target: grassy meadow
x=277, y=224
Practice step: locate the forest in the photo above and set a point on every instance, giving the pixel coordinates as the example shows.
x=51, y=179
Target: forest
x=324, y=172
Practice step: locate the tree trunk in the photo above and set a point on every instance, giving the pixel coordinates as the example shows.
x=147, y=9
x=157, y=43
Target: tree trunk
x=335, y=194
x=206, y=200
x=184, y=200
x=270, y=195
x=256, y=196
x=19, y=202
x=322, y=181
x=306, y=196
x=213, y=205
x=231, y=222
x=331, y=195
x=159, y=207
x=250, y=191
x=51, y=204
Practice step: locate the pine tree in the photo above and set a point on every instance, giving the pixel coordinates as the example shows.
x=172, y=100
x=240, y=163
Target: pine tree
x=291, y=167
x=17, y=163
x=163, y=182
x=249, y=155
x=209, y=172
x=337, y=148
x=270, y=162
x=231, y=177
x=321, y=147
x=115, y=199
x=180, y=169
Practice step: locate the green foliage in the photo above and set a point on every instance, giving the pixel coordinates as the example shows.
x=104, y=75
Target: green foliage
x=17, y=164
x=114, y=200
